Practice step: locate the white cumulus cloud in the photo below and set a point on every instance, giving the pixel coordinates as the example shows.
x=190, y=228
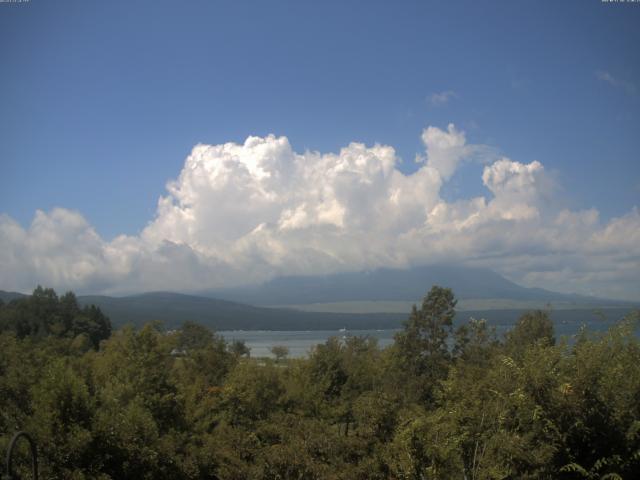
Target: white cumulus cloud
x=242, y=213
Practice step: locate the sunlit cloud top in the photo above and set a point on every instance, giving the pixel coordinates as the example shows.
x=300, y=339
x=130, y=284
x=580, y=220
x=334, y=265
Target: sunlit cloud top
x=241, y=213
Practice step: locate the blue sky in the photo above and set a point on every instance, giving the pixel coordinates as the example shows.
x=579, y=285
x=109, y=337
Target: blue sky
x=101, y=102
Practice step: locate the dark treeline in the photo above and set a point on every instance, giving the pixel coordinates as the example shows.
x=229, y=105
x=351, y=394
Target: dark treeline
x=440, y=403
x=43, y=314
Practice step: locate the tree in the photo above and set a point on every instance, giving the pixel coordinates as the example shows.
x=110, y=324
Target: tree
x=424, y=447
x=43, y=314
x=280, y=352
x=531, y=328
x=194, y=336
x=92, y=322
x=475, y=342
x=422, y=352
x=252, y=392
x=239, y=349
x=63, y=414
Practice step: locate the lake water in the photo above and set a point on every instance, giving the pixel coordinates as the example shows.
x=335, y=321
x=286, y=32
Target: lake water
x=300, y=343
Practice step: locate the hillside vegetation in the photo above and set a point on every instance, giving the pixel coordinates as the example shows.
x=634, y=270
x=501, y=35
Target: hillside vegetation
x=440, y=403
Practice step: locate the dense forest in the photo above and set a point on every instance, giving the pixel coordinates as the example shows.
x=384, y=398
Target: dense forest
x=440, y=403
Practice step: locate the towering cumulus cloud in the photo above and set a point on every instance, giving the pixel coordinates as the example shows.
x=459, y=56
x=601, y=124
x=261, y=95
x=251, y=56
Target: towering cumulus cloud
x=241, y=213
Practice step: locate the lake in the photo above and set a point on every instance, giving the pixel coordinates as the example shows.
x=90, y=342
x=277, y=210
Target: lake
x=300, y=343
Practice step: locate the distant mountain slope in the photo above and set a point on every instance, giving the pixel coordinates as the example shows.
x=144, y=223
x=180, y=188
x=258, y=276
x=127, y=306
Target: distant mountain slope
x=6, y=297
x=391, y=285
x=173, y=309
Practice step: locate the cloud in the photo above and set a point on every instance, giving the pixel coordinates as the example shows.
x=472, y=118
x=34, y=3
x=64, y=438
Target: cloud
x=627, y=87
x=441, y=98
x=445, y=149
x=242, y=213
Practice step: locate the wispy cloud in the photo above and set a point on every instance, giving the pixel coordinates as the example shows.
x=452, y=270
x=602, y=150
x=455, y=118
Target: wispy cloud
x=441, y=98
x=627, y=87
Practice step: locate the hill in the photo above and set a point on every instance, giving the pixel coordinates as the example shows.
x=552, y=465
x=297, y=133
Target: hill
x=174, y=308
x=378, y=299
x=6, y=297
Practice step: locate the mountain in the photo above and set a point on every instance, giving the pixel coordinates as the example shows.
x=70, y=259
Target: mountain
x=394, y=285
x=174, y=308
x=6, y=297
x=366, y=300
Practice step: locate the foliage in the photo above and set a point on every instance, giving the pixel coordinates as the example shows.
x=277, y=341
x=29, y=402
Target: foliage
x=43, y=314
x=438, y=404
x=532, y=327
x=280, y=352
x=422, y=355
